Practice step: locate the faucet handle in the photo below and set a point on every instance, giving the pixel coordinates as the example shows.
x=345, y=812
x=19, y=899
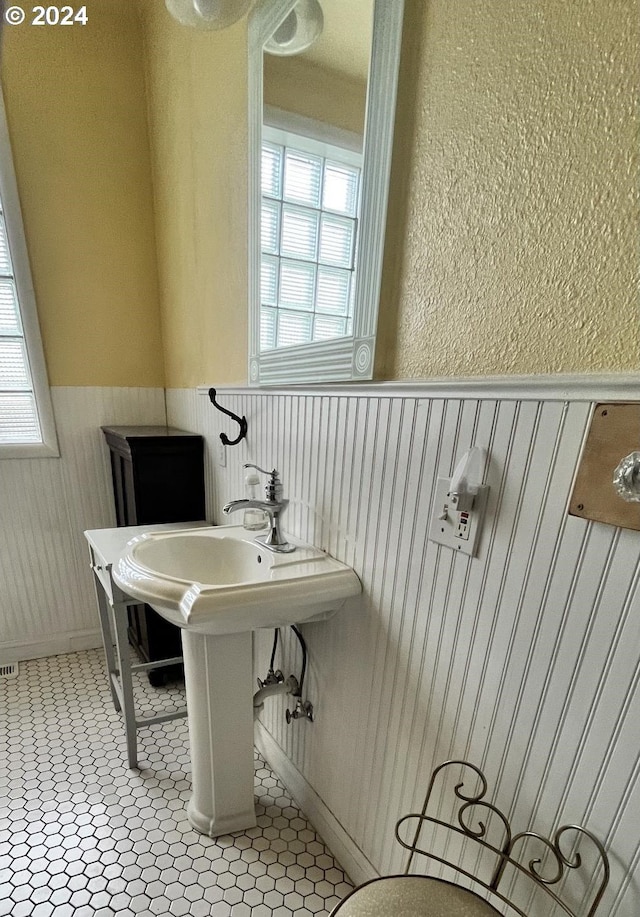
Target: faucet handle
x=273, y=473
x=273, y=489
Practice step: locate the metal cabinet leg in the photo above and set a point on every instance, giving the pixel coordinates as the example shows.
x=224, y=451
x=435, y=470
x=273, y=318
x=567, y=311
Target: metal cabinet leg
x=113, y=605
x=126, y=684
x=107, y=639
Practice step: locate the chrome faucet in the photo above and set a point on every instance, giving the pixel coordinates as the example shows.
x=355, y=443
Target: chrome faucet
x=273, y=506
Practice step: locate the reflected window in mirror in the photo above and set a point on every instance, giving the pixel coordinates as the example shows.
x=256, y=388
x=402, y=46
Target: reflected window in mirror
x=309, y=227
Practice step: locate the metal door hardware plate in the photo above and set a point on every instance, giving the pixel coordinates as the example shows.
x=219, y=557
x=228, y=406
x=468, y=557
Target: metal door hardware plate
x=614, y=433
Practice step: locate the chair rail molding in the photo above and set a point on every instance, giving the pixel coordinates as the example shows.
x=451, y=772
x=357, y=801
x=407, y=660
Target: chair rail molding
x=561, y=387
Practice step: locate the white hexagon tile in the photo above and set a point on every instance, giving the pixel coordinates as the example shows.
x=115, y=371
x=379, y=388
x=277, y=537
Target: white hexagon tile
x=81, y=835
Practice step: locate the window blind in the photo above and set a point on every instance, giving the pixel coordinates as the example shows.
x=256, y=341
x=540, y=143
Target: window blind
x=19, y=420
x=308, y=242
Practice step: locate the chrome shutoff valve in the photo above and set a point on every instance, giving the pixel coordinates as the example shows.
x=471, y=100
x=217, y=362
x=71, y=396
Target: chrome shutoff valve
x=273, y=678
x=303, y=710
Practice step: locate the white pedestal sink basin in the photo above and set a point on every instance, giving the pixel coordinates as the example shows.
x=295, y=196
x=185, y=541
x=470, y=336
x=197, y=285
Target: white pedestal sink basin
x=218, y=585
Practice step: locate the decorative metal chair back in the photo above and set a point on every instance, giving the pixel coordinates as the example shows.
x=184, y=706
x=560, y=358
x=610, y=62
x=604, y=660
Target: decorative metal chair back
x=544, y=871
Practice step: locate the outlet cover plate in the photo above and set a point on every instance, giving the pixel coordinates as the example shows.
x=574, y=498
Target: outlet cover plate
x=443, y=531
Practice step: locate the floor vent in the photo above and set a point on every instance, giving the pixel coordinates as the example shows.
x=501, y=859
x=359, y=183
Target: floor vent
x=9, y=670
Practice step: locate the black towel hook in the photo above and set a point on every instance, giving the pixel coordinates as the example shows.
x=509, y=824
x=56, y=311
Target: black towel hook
x=240, y=420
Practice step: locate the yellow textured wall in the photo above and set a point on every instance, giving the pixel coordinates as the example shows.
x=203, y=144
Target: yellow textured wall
x=76, y=114
x=513, y=226
x=515, y=191
x=197, y=109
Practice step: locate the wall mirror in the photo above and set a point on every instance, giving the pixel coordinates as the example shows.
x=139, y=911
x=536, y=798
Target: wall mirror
x=322, y=90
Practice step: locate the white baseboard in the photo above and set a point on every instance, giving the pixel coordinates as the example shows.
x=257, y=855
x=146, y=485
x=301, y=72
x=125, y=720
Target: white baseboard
x=53, y=645
x=342, y=846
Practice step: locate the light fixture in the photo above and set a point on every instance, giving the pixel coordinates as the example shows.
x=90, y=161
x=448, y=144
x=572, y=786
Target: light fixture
x=298, y=30
x=208, y=14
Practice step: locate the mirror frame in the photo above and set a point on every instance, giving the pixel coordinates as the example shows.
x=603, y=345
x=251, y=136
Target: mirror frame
x=347, y=358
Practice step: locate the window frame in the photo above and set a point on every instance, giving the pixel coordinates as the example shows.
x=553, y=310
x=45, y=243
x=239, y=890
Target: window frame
x=48, y=446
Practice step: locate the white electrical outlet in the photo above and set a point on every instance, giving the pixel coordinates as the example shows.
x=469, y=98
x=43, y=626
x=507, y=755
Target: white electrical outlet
x=222, y=454
x=457, y=530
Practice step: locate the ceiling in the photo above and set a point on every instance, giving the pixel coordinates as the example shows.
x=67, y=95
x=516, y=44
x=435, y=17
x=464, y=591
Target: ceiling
x=346, y=38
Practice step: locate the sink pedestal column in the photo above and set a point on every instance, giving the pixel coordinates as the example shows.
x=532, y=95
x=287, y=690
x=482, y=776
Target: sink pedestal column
x=218, y=680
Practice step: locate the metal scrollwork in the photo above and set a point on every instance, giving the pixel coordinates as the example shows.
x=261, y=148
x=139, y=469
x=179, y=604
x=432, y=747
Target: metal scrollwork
x=545, y=870
x=536, y=862
x=481, y=832
x=577, y=860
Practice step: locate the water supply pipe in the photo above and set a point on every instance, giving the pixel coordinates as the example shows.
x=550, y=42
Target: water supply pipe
x=290, y=686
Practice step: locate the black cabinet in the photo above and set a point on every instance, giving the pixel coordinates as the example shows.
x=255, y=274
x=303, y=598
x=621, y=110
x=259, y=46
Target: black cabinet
x=158, y=476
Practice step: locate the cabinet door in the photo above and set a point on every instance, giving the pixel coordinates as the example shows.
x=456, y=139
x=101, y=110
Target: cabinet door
x=156, y=478
x=168, y=485
x=123, y=490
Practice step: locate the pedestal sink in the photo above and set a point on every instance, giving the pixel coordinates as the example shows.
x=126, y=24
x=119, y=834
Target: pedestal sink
x=219, y=585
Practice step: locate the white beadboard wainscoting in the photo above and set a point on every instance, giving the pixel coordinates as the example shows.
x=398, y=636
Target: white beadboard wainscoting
x=524, y=660
x=47, y=599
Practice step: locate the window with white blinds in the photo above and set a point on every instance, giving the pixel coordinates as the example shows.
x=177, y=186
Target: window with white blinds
x=26, y=417
x=309, y=223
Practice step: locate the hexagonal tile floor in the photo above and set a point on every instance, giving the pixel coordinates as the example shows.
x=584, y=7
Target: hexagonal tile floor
x=81, y=835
